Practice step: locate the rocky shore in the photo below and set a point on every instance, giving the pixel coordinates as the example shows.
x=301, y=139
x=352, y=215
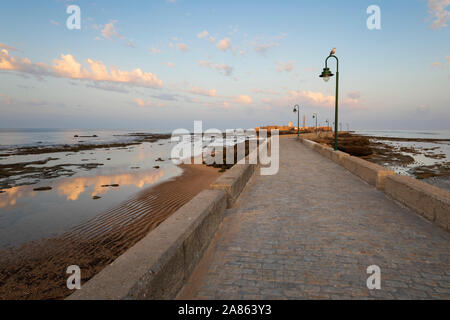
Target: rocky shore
x=378, y=150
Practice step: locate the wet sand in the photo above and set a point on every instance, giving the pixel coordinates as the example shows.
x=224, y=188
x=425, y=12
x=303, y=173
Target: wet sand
x=38, y=270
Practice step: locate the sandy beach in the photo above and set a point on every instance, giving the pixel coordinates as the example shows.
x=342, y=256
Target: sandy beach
x=37, y=270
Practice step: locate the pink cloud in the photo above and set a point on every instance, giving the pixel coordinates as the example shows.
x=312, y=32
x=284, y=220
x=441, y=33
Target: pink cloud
x=146, y=103
x=243, y=99
x=110, y=32
x=182, y=47
x=313, y=99
x=222, y=68
x=288, y=66
x=438, y=11
x=224, y=44
x=203, y=92
x=68, y=67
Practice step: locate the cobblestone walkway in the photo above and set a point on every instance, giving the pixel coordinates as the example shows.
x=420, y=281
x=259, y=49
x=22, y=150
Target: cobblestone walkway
x=311, y=231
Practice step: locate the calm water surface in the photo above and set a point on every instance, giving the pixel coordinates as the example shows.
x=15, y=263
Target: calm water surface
x=27, y=215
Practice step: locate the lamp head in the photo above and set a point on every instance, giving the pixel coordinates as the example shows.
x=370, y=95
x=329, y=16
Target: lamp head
x=326, y=74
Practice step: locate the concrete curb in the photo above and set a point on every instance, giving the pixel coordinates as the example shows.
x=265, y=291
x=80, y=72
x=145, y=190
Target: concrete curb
x=233, y=181
x=429, y=201
x=369, y=172
x=158, y=266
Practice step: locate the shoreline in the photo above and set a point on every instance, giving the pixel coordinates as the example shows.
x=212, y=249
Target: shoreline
x=37, y=270
x=401, y=159
x=138, y=138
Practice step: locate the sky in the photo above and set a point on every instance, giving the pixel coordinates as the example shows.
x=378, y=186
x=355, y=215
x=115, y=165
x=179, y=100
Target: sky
x=162, y=64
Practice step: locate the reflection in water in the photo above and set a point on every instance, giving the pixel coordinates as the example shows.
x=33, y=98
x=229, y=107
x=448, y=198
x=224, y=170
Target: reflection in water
x=26, y=214
x=10, y=196
x=72, y=188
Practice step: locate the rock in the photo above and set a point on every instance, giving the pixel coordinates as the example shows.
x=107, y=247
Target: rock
x=96, y=197
x=156, y=167
x=42, y=189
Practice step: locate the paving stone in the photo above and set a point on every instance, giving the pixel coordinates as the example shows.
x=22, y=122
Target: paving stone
x=311, y=231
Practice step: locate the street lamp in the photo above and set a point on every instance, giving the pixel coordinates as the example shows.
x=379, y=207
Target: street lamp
x=297, y=109
x=315, y=117
x=328, y=123
x=326, y=75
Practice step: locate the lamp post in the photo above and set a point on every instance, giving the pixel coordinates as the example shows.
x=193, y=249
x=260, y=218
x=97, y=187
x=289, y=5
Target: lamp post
x=315, y=117
x=328, y=123
x=326, y=75
x=297, y=109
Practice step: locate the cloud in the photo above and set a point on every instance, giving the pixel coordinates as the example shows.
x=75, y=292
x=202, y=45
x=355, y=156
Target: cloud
x=314, y=99
x=182, y=47
x=203, y=92
x=5, y=99
x=106, y=86
x=203, y=34
x=310, y=98
x=225, y=69
x=441, y=65
x=109, y=31
x=155, y=51
x=130, y=43
x=54, y=23
x=170, y=64
x=288, y=66
x=5, y=46
x=243, y=99
x=141, y=103
x=167, y=97
x=268, y=92
x=354, y=95
x=264, y=47
x=222, y=68
x=224, y=44
x=441, y=16
x=68, y=67
x=146, y=103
